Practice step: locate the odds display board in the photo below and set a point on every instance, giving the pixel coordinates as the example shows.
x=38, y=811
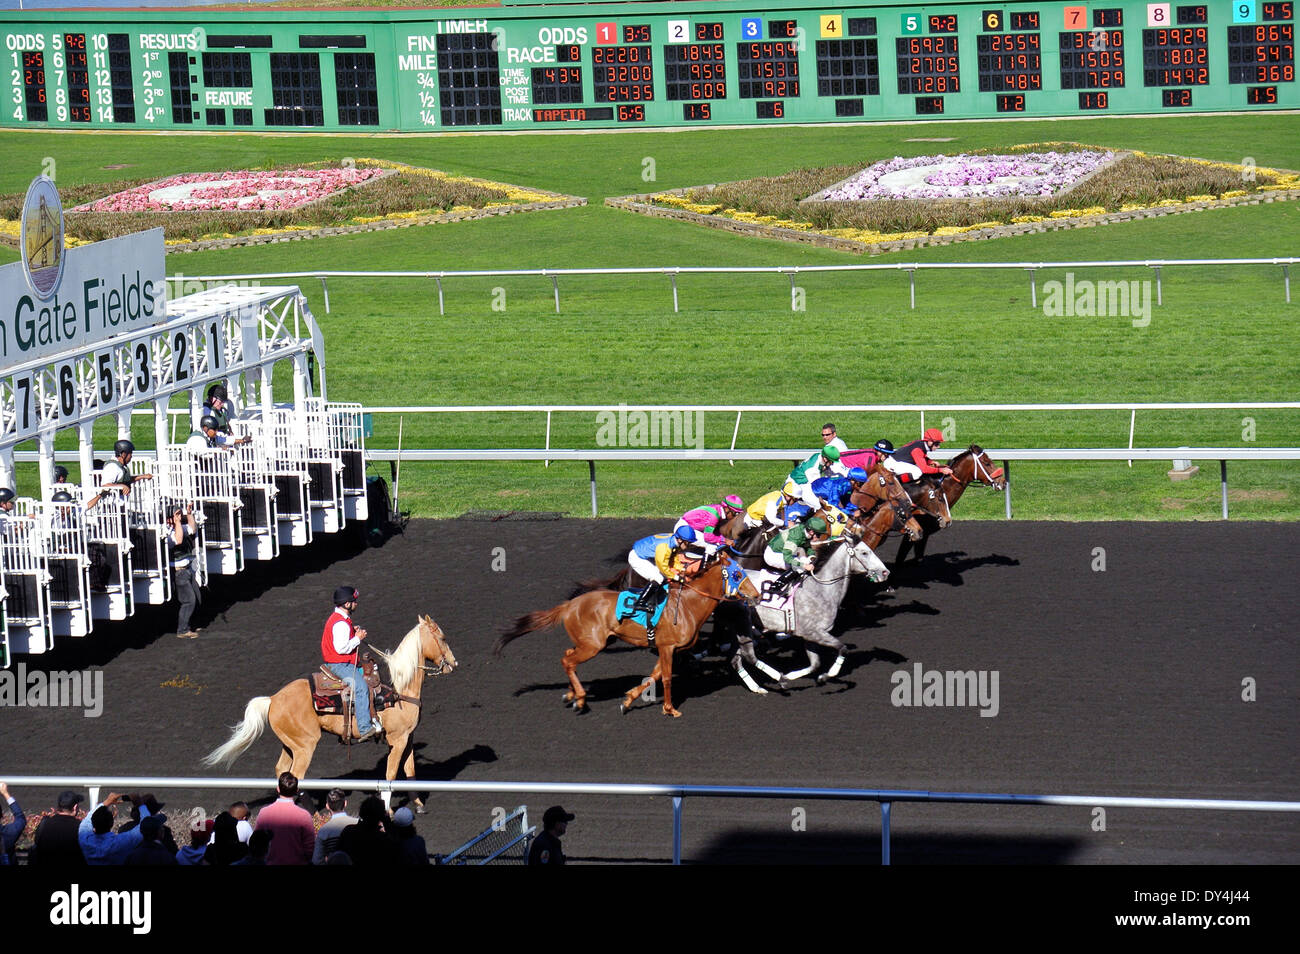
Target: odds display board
x=630, y=64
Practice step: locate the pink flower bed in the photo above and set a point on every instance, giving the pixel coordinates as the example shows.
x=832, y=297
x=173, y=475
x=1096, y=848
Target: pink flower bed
x=964, y=176
x=243, y=190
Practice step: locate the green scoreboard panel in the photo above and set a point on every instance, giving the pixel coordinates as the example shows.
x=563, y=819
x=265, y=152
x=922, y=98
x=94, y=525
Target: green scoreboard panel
x=642, y=64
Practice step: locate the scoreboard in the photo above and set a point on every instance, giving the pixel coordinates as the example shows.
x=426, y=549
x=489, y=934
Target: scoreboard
x=641, y=64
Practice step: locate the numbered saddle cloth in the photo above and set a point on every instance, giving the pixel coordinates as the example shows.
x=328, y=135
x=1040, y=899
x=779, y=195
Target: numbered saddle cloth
x=623, y=610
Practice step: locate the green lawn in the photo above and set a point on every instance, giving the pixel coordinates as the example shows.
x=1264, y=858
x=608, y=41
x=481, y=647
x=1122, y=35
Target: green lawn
x=1222, y=334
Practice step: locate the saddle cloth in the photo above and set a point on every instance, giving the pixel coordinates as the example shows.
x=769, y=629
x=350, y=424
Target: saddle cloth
x=778, y=603
x=623, y=610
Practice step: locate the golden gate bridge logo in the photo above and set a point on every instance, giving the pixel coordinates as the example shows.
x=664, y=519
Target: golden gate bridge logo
x=42, y=237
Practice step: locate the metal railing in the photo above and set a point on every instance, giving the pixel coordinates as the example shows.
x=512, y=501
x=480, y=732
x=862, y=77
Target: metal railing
x=678, y=793
x=671, y=272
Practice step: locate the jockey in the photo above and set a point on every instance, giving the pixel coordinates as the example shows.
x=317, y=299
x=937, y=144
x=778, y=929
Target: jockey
x=340, y=643
x=835, y=491
x=821, y=464
x=796, y=514
x=660, y=558
x=706, y=520
x=766, y=509
x=791, y=551
x=911, y=461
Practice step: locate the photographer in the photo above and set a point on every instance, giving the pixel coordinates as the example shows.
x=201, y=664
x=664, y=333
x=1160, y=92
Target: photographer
x=181, y=530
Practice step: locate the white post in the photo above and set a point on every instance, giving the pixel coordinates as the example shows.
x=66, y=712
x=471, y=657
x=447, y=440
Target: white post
x=45, y=449
x=1132, y=425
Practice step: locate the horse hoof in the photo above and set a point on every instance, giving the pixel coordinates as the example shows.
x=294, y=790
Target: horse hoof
x=821, y=680
x=673, y=712
x=784, y=683
x=625, y=707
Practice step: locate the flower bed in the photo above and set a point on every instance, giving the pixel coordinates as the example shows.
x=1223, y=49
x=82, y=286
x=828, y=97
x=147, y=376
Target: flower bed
x=244, y=190
x=964, y=176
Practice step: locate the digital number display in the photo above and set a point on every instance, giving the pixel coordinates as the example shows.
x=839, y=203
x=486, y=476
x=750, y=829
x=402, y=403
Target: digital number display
x=1261, y=54
x=517, y=65
x=769, y=69
x=1009, y=61
x=622, y=74
x=557, y=84
x=1179, y=56
x=848, y=68
x=928, y=64
x=1092, y=60
x=695, y=71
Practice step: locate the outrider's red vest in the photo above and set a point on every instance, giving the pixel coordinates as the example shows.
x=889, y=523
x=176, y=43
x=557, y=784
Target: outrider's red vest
x=327, y=640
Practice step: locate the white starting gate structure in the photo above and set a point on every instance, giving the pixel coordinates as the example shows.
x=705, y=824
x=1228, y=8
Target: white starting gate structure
x=64, y=566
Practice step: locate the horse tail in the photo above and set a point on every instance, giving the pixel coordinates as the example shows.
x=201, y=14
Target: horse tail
x=245, y=734
x=541, y=619
x=618, y=581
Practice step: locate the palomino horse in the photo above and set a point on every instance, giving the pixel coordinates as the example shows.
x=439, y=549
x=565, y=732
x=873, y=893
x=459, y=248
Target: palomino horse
x=971, y=465
x=816, y=602
x=299, y=728
x=590, y=620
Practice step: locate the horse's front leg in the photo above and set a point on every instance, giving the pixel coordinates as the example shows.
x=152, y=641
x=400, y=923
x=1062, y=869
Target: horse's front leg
x=666, y=668
x=745, y=654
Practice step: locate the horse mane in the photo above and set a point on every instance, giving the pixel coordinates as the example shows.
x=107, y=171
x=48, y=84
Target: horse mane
x=406, y=659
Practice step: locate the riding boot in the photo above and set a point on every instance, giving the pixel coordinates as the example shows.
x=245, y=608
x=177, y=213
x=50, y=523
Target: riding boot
x=648, y=598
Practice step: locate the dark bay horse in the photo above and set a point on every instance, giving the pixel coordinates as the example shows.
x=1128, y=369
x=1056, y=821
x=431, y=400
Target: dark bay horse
x=590, y=621
x=970, y=466
x=294, y=721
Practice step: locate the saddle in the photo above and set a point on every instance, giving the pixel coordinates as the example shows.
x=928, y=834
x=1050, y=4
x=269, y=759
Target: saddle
x=329, y=692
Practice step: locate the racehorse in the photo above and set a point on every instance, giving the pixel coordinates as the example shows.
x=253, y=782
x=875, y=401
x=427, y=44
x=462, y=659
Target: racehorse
x=292, y=718
x=892, y=518
x=590, y=621
x=815, y=604
x=971, y=465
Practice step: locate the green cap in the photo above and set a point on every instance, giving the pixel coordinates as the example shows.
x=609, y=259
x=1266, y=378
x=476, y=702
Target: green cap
x=831, y=452
x=817, y=525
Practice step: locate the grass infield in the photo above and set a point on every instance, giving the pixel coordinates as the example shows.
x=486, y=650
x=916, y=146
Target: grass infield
x=1222, y=334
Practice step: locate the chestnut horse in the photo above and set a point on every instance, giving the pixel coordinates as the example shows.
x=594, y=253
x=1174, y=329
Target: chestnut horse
x=299, y=728
x=590, y=621
x=970, y=466
x=883, y=521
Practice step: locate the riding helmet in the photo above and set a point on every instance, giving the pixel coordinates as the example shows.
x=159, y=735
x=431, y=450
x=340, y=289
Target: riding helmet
x=6, y=495
x=345, y=594
x=62, y=496
x=123, y=447
x=858, y=475
x=60, y=473
x=933, y=435
x=884, y=447
x=733, y=502
x=208, y=421
x=817, y=525
x=217, y=391
x=685, y=534
x=831, y=452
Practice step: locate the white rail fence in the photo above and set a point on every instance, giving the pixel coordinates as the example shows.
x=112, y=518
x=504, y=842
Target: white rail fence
x=678, y=793
x=672, y=416
x=671, y=272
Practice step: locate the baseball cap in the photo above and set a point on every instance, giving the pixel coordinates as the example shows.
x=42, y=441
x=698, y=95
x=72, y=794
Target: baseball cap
x=403, y=817
x=556, y=814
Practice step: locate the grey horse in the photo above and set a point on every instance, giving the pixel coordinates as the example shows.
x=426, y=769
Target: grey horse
x=815, y=604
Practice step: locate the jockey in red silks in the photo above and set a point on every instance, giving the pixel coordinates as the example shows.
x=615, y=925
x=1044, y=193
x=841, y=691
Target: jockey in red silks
x=706, y=520
x=911, y=461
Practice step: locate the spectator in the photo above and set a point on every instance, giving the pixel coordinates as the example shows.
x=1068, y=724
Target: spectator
x=327, y=839
x=192, y=854
x=367, y=843
x=152, y=850
x=99, y=843
x=411, y=849
x=10, y=832
x=830, y=439
x=226, y=848
x=55, y=844
x=546, y=849
x=295, y=835
x=243, y=826
x=258, y=847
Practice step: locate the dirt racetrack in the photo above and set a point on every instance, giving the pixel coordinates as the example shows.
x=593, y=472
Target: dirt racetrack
x=1122, y=681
